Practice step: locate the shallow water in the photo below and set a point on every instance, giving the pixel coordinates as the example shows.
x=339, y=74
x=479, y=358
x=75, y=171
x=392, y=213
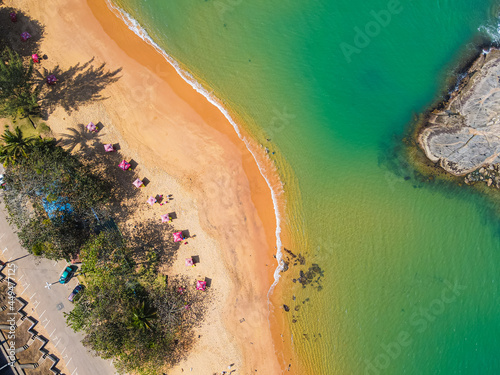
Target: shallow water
x=411, y=269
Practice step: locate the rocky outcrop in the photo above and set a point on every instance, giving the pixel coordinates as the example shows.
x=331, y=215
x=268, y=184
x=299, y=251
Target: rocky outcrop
x=465, y=135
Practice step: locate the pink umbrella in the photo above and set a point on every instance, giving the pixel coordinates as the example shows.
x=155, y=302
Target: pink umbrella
x=35, y=58
x=178, y=237
x=51, y=80
x=137, y=183
x=124, y=165
x=91, y=127
x=151, y=200
x=13, y=16
x=25, y=36
x=109, y=147
x=189, y=262
x=165, y=218
x=201, y=285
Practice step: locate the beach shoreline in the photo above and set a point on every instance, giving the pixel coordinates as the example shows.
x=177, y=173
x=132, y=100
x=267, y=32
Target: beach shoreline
x=148, y=109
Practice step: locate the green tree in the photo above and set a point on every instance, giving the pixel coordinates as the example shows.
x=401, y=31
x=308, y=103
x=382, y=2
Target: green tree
x=18, y=89
x=122, y=314
x=143, y=316
x=15, y=145
x=50, y=176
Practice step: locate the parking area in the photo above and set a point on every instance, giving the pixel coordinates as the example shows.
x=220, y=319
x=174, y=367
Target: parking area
x=38, y=282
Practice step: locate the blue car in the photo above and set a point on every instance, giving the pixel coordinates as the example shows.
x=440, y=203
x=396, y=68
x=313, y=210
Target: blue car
x=66, y=275
x=75, y=291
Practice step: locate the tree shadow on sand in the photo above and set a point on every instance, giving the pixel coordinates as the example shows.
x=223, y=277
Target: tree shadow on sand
x=105, y=164
x=10, y=32
x=79, y=139
x=144, y=236
x=79, y=85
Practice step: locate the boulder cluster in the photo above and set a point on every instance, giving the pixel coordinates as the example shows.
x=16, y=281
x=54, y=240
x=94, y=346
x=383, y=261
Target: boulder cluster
x=489, y=175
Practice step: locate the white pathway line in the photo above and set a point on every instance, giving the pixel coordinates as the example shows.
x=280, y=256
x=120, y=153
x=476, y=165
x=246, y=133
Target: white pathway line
x=67, y=363
x=32, y=296
x=25, y=288
x=52, y=332
x=36, y=303
x=40, y=317
x=73, y=373
x=58, y=341
x=21, y=277
x=4, y=250
x=63, y=351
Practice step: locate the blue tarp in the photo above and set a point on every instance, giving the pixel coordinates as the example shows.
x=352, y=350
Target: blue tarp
x=58, y=205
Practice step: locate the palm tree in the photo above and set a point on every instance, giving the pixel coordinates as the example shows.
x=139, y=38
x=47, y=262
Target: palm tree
x=143, y=315
x=15, y=145
x=18, y=89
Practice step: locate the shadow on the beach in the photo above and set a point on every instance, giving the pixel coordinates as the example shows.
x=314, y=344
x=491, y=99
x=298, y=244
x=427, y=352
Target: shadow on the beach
x=105, y=164
x=79, y=85
x=151, y=235
x=10, y=32
x=79, y=139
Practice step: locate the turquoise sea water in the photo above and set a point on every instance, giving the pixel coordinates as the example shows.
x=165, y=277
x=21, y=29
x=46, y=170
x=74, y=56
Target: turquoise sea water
x=411, y=269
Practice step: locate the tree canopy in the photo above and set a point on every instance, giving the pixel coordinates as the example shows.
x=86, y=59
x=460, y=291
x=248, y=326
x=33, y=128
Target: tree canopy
x=52, y=197
x=132, y=315
x=15, y=146
x=18, y=88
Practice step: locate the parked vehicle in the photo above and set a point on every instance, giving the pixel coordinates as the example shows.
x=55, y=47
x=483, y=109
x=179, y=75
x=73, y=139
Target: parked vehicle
x=67, y=274
x=75, y=291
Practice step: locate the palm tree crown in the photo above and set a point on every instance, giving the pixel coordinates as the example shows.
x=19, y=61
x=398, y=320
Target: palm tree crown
x=15, y=145
x=143, y=315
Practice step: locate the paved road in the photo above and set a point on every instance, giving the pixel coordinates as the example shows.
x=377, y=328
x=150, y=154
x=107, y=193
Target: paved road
x=31, y=276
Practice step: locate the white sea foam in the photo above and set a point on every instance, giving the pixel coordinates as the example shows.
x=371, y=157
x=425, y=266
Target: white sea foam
x=492, y=29
x=142, y=33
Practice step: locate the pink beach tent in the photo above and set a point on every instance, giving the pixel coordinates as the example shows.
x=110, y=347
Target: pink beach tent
x=35, y=59
x=124, y=165
x=189, y=262
x=25, y=36
x=151, y=200
x=178, y=237
x=13, y=16
x=165, y=218
x=91, y=127
x=138, y=183
x=51, y=80
x=109, y=147
x=201, y=285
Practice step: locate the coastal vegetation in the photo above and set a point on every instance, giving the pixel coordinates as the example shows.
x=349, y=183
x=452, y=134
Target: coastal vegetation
x=18, y=89
x=66, y=201
x=130, y=312
x=51, y=195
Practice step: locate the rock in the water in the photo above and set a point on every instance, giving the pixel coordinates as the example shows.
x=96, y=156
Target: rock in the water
x=464, y=136
x=286, y=308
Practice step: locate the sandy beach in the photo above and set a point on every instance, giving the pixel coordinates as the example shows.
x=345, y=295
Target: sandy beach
x=185, y=147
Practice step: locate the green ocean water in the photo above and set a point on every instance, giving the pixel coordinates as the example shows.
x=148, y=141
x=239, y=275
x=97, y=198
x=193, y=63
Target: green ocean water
x=411, y=269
